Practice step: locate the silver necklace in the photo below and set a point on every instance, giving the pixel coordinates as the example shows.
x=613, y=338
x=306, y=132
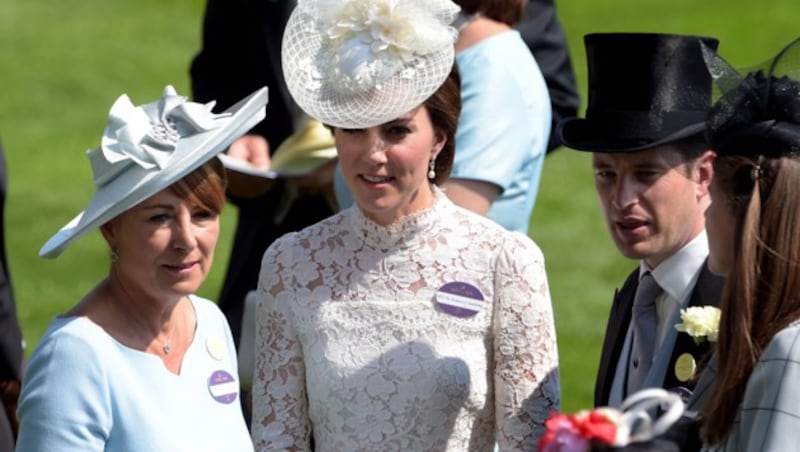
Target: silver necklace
x=166, y=346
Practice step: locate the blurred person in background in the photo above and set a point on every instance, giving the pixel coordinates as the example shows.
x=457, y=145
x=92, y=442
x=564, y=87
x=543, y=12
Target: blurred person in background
x=11, y=347
x=240, y=52
x=504, y=127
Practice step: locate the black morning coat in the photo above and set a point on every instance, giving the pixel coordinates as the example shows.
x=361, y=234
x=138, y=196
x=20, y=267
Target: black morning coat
x=706, y=292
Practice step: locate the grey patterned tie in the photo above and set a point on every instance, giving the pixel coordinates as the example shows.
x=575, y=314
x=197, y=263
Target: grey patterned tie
x=645, y=321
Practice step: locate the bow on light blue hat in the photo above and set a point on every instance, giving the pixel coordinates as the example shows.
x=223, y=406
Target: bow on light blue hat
x=146, y=149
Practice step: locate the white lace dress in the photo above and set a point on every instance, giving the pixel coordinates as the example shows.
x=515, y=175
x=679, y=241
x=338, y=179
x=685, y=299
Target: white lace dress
x=357, y=345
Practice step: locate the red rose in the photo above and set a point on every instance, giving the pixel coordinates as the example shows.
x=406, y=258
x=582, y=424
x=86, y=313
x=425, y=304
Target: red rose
x=575, y=432
x=598, y=426
x=562, y=435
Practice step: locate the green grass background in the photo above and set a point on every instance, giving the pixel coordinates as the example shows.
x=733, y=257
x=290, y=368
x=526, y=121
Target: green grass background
x=63, y=62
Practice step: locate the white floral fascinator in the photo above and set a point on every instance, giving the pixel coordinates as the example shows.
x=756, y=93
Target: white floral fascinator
x=147, y=148
x=360, y=63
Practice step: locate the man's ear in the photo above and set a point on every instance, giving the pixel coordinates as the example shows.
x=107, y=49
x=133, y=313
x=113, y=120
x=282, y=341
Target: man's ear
x=704, y=168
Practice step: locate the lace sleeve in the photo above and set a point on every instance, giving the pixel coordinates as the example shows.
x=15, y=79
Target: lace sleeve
x=525, y=353
x=280, y=410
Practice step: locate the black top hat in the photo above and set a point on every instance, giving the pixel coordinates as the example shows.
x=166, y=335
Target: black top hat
x=645, y=90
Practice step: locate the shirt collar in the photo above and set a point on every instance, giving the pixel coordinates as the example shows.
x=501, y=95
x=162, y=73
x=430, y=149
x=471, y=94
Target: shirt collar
x=676, y=274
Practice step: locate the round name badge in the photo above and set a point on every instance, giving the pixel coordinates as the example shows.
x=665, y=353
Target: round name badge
x=460, y=299
x=685, y=367
x=216, y=348
x=223, y=387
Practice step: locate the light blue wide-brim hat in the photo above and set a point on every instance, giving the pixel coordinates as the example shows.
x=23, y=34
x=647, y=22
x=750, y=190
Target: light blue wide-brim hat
x=147, y=148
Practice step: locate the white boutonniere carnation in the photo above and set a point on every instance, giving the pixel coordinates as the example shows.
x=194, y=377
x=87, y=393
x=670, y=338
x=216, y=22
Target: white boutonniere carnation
x=700, y=322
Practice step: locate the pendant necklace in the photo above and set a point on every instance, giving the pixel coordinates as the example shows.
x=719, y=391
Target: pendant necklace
x=166, y=346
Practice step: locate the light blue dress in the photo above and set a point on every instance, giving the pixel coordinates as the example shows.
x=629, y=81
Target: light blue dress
x=503, y=129
x=84, y=391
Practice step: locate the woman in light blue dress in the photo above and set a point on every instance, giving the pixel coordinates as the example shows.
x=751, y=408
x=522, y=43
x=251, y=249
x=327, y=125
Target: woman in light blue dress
x=141, y=363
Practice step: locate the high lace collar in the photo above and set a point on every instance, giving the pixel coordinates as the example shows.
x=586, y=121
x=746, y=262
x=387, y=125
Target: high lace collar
x=405, y=232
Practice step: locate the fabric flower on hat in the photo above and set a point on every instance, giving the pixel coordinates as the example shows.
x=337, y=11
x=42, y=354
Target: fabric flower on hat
x=700, y=322
x=147, y=148
x=374, y=40
x=146, y=135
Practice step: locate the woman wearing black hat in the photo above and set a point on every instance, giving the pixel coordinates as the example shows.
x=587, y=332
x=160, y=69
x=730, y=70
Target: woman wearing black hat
x=755, y=241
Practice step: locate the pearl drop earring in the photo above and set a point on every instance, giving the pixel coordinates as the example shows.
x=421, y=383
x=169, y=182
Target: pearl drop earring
x=432, y=169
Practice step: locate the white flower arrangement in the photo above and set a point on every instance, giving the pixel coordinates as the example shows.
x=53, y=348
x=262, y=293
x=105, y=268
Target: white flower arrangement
x=700, y=322
x=375, y=39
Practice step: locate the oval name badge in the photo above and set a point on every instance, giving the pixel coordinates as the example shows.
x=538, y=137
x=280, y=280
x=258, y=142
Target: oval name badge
x=460, y=299
x=223, y=387
x=685, y=366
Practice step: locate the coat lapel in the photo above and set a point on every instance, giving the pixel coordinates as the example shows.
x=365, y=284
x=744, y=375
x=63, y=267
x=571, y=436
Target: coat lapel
x=617, y=327
x=706, y=292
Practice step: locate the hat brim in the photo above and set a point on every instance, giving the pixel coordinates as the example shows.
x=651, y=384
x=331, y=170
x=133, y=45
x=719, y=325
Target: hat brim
x=584, y=135
x=137, y=184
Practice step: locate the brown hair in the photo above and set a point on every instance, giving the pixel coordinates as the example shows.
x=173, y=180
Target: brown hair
x=689, y=149
x=509, y=12
x=444, y=108
x=761, y=292
x=204, y=186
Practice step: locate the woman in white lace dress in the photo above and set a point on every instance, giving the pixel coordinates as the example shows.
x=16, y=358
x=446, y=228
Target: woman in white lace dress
x=405, y=322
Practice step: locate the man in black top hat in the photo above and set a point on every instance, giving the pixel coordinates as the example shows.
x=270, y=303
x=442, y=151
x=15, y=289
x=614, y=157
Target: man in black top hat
x=647, y=103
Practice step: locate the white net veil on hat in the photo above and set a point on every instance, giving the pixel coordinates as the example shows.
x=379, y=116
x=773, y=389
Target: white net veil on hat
x=359, y=63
